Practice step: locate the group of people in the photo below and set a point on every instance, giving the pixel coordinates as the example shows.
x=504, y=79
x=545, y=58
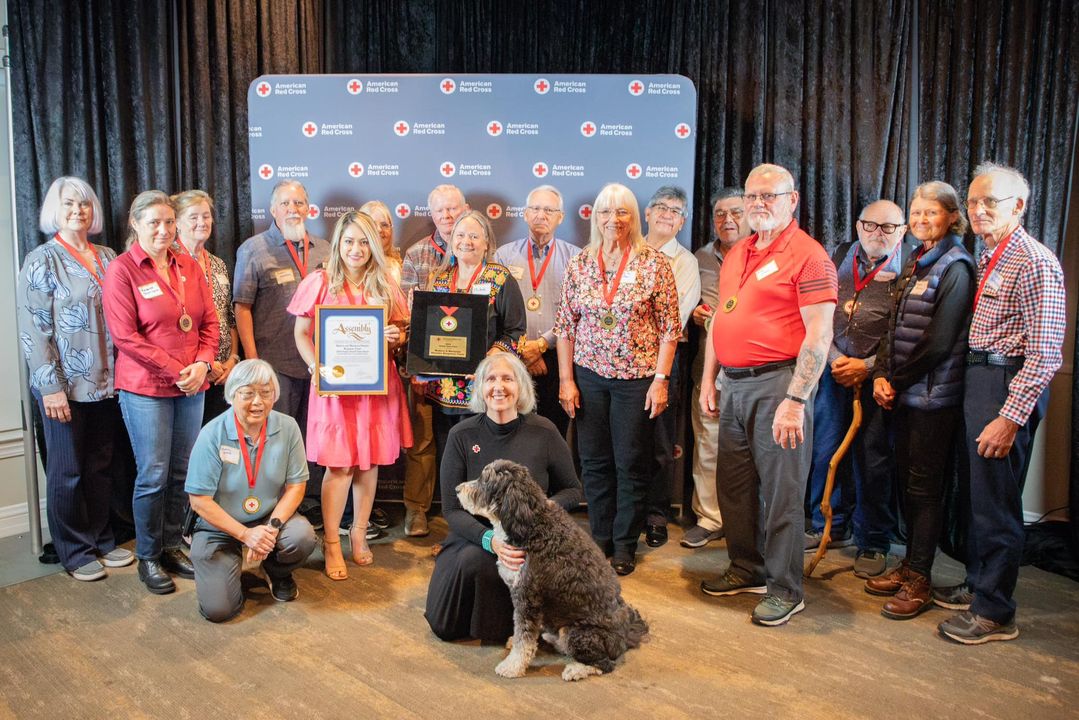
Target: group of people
x=593, y=339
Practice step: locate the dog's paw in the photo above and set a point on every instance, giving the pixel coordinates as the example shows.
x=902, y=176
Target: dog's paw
x=575, y=671
x=511, y=667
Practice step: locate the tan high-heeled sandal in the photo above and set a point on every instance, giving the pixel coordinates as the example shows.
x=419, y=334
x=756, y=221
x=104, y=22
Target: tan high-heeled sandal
x=335, y=566
x=361, y=553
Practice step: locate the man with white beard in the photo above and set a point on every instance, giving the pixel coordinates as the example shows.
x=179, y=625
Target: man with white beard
x=269, y=267
x=770, y=337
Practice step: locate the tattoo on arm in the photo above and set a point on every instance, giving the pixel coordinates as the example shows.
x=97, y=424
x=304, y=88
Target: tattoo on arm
x=807, y=371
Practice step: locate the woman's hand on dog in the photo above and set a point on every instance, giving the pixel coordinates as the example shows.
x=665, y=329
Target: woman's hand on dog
x=513, y=558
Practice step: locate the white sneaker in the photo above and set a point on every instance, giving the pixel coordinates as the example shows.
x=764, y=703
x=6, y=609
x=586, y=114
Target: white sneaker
x=118, y=557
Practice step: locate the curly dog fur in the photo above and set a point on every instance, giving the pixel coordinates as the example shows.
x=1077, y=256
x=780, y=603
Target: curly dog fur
x=565, y=590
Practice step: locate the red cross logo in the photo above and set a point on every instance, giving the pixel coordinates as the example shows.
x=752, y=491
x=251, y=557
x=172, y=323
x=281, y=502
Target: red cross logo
x=542, y=86
x=355, y=87
x=588, y=129
x=447, y=169
x=636, y=88
x=448, y=86
x=633, y=170
x=310, y=129
x=681, y=130
x=539, y=169
x=585, y=212
x=401, y=128
x=355, y=169
x=313, y=211
x=476, y=449
x=265, y=172
x=494, y=129
x=494, y=211
x=403, y=210
x=263, y=89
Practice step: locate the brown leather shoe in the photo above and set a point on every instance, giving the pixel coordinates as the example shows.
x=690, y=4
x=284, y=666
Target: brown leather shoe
x=890, y=583
x=914, y=598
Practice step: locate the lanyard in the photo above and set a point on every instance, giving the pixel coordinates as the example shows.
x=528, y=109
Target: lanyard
x=436, y=246
x=351, y=297
x=989, y=269
x=82, y=261
x=453, y=278
x=302, y=267
x=608, y=294
x=252, y=475
x=537, y=279
x=178, y=290
x=860, y=284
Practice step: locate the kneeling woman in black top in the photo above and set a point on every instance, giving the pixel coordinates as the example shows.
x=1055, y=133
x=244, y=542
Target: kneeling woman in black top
x=467, y=598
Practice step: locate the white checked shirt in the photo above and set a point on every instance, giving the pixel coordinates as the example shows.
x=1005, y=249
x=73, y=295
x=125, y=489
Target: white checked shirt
x=515, y=257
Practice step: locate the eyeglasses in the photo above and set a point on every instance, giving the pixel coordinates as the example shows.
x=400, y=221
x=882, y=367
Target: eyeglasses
x=766, y=198
x=664, y=208
x=722, y=215
x=620, y=213
x=989, y=202
x=249, y=395
x=545, y=210
x=886, y=228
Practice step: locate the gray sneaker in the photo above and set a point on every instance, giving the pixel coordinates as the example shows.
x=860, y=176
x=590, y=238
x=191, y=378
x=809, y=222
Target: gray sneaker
x=92, y=570
x=698, y=536
x=970, y=629
x=870, y=563
x=773, y=610
x=117, y=558
x=840, y=539
x=732, y=584
x=953, y=597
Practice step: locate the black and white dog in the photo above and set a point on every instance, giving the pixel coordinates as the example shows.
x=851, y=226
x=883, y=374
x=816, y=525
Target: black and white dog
x=565, y=589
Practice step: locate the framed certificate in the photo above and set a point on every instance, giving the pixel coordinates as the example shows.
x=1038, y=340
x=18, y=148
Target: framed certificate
x=351, y=345
x=448, y=333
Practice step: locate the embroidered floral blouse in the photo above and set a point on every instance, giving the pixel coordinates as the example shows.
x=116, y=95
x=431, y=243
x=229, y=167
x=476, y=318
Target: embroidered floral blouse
x=645, y=308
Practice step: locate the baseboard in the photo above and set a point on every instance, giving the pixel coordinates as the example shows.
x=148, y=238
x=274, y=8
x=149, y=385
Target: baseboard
x=14, y=519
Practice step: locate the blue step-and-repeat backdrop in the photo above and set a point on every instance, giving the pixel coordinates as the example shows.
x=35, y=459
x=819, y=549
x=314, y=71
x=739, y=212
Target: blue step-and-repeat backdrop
x=354, y=138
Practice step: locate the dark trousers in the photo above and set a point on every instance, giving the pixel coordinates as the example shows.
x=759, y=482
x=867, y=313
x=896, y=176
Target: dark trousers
x=295, y=394
x=762, y=485
x=996, y=494
x=79, y=470
x=616, y=442
x=924, y=443
x=863, y=493
x=547, y=404
x=667, y=426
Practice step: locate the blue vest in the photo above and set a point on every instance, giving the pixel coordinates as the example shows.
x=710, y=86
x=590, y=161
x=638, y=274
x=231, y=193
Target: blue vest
x=942, y=387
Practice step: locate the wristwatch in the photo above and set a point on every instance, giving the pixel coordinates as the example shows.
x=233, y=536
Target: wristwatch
x=209, y=366
x=275, y=523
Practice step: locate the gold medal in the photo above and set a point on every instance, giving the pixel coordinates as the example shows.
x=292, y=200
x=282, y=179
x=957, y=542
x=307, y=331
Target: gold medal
x=186, y=323
x=608, y=320
x=731, y=303
x=533, y=303
x=251, y=504
x=448, y=323
x=848, y=307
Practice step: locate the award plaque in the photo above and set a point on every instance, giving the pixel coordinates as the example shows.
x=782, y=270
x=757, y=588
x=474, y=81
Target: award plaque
x=351, y=345
x=448, y=333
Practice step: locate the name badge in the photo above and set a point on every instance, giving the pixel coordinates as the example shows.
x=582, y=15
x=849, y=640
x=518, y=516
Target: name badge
x=920, y=287
x=884, y=276
x=993, y=283
x=284, y=277
x=629, y=277
x=769, y=268
x=150, y=290
x=481, y=288
x=517, y=271
x=229, y=454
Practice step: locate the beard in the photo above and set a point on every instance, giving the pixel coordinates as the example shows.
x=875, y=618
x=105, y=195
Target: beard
x=293, y=231
x=763, y=224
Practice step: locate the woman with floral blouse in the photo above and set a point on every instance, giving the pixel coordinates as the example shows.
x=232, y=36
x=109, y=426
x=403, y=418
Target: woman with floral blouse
x=617, y=327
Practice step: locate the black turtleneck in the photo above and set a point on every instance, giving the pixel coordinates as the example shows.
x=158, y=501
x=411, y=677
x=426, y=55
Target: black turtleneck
x=530, y=440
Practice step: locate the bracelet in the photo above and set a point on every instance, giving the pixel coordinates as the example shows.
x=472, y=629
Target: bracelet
x=800, y=401
x=486, y=541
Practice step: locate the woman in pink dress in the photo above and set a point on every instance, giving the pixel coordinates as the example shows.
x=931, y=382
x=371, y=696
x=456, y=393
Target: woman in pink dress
x=351, y=435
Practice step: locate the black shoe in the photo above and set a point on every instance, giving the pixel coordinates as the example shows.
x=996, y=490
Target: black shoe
x=379, y=519
x=155, y=578
x=623, y=565
x=655, y=536
x=283, y=588
x=176, y=562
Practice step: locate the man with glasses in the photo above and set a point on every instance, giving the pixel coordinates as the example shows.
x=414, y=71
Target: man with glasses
x=446, y=203
x=729, y=226
x=1015, y=338
x=868, y=269
x=665, y=215
x=770, y=337
x=538, y=263
x=269, y=267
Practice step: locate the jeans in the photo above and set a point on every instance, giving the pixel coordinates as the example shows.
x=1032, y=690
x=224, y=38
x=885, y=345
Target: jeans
x=162, y=431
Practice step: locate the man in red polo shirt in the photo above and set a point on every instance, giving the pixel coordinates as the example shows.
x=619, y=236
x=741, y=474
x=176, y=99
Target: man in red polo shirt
x=770, y=337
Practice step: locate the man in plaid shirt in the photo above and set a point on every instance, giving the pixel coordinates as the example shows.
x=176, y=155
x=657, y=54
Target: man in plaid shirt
x=1015, y=338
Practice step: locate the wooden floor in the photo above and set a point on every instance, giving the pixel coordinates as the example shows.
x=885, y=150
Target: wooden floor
x=361, y=649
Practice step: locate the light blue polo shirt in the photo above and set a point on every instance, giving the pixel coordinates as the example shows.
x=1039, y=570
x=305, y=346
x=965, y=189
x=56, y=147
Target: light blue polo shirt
x=217, y=468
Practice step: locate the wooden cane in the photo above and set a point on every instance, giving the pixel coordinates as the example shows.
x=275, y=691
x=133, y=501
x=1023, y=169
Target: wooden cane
x=829, y=483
